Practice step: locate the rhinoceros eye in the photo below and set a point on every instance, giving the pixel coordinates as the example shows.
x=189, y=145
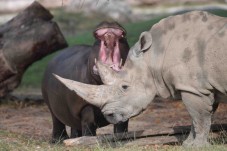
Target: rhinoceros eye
x=125, y=87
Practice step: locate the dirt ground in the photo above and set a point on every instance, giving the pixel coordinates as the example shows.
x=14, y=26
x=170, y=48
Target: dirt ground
x=33, y=120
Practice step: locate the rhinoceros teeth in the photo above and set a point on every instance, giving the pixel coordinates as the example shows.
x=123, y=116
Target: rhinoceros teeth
x=120, y=65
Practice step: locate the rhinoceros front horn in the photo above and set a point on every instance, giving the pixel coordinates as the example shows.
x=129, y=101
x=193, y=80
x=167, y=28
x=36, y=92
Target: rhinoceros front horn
x=92, y=94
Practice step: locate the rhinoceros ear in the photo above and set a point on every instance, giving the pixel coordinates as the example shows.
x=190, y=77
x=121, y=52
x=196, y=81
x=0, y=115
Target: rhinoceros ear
x=145, y=41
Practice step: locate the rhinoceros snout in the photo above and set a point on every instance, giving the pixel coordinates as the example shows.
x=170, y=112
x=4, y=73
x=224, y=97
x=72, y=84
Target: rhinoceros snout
x=115, y=118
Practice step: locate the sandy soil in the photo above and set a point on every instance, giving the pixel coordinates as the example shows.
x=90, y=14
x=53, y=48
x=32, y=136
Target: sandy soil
x=34, y=120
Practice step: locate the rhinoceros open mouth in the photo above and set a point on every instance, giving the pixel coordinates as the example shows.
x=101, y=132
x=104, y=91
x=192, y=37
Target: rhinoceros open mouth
x=109, y=52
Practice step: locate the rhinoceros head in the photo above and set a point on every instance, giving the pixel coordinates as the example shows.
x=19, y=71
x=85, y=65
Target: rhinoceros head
x=125, y=93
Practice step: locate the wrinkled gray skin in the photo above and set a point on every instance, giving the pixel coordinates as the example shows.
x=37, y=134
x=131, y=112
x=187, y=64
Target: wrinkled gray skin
x=78, y=63
x=182, y=56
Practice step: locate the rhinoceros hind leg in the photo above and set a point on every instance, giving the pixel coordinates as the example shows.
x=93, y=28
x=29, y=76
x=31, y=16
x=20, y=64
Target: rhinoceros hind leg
x=121, y=127
x=59, y=131
x=200, y=109
x=88, y=121
x=75, y=133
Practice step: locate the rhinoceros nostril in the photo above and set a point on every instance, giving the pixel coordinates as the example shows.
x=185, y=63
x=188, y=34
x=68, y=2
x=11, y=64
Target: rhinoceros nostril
x=110, y=115
x=125, y=87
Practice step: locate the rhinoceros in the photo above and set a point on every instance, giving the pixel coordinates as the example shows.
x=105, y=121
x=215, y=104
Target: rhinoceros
x=182, y=56
x=78, y=63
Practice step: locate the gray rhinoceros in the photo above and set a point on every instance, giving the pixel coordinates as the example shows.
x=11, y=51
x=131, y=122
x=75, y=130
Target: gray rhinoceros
x=78, y=63
x=181, y=56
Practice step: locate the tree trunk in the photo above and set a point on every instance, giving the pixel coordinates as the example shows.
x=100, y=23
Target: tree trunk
x=25, y=39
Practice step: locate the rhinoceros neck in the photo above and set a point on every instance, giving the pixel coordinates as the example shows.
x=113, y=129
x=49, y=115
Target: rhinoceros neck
x=156, y=70
x=156, y=63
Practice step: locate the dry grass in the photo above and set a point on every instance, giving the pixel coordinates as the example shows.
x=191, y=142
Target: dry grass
x=15, y=142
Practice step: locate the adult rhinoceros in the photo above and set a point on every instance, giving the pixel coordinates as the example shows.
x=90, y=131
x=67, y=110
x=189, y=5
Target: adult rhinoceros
x=183, y=55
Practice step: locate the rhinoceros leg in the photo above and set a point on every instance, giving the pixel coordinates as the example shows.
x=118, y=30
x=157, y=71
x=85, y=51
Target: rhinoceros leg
x=75, y=133
x=191, y=136
x=88, y=121
x=59, y=131
x=121, y=127
x=200, y=109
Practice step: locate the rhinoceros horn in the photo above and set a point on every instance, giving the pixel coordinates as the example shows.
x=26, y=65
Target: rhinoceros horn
x=93, y=94
x=107, y=75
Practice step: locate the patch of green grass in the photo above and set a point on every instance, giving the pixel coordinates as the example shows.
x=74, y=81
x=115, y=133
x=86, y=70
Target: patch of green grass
x=33, y=76
x=73, y=23
x=82, y=38
x=219, y=12
x=135, y=29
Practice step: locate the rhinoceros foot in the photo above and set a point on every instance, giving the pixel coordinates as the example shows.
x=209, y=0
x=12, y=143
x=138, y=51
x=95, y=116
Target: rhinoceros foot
x=195, y=143
x=59, y=137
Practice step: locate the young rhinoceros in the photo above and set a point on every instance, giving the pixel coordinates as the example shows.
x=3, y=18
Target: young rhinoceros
x=78, y=63
x=183, y=55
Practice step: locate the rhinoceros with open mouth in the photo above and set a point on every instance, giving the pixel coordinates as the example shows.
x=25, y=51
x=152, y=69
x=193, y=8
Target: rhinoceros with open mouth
x=181, y=56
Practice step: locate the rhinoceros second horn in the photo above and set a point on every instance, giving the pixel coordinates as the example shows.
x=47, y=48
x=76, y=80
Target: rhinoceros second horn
x=107, y=75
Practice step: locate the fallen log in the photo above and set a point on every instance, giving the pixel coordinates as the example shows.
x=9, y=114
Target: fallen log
x=24, y=100
x=26, y=38
x=161, y=135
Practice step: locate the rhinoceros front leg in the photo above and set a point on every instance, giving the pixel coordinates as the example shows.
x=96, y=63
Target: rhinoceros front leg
x=200, y=109
x=121, y=127
x=75, y=133
x=59, y=131
x=88, y=121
